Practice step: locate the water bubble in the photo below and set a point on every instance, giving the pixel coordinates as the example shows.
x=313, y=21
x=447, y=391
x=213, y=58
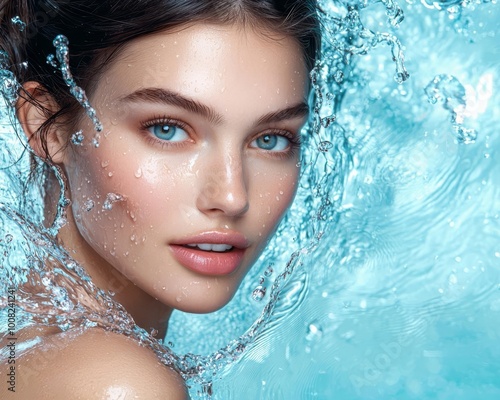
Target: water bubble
x=111, y=198
x=77, y=138
x=8, y=238
x=51, y=60
x=18, y=23
x=258, y=293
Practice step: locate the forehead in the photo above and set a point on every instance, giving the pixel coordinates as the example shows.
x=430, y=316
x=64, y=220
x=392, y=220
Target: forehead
x=212, y=63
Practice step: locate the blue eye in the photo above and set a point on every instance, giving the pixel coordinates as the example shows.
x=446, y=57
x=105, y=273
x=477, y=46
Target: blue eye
x=168, y=132
x=271, y=142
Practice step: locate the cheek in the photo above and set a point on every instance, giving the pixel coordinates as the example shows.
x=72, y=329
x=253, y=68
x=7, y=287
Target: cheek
x=272, y=194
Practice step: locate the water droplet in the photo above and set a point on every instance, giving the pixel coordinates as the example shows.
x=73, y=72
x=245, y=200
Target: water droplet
x=105, y=163
x=18, y=23
x=269, y=271
x=88, y=205
x=138, y=173
x=8, y=238
x=111, y=198
x=96, y=140
x=259, y=293
x=77, y=138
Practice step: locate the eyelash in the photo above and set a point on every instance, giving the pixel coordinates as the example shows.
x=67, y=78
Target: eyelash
x=163, y=121
x=294, y=139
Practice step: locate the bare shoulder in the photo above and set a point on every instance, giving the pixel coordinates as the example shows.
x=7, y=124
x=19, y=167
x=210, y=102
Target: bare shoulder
x=94, y=365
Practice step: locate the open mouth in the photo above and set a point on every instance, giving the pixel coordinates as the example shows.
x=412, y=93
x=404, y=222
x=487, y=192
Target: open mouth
x=218, y=248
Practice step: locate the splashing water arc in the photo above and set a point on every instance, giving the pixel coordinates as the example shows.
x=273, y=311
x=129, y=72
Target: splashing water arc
x=383, y=280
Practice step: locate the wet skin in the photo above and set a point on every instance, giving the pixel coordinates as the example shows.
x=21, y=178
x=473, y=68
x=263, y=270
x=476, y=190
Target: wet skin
x=201, y=131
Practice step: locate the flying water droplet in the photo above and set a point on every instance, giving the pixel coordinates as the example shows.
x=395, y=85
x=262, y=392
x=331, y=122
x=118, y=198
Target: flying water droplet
x=77, y=138
x=258, y=293
x=269, y=271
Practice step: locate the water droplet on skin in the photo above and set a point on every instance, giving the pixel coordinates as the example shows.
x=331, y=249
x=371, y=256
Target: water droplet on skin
x=178, y=299
x=138, y=173
x=259, y=293
x=88, y=205
x=96, y=140
x=111, y=198
x=104, y=164
x=77, y=138
x=110, y=174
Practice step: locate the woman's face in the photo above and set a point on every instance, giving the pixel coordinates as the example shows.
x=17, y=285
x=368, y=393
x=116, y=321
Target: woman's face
x=196, y=165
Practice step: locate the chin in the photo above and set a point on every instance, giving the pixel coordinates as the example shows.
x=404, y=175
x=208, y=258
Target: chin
x=205, y=303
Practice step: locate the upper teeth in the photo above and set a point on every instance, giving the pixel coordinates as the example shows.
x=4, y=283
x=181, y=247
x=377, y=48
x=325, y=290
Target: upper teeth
x=211, y=247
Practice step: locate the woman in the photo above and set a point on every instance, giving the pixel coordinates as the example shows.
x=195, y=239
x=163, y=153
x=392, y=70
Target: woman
x=183, y=172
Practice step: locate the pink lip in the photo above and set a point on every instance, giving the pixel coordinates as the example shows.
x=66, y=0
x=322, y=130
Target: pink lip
x=208, y=262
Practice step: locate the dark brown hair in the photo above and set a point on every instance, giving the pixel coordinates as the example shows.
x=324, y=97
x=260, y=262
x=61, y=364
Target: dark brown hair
x=97, y=29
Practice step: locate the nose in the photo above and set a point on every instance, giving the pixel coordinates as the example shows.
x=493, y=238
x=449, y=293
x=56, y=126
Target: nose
x=223, y=187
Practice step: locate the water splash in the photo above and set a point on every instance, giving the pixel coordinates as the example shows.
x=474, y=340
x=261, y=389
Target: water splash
x=448, y=90
x=112, y=198
x=9, y=86
x=61, y=44
x=346, y=125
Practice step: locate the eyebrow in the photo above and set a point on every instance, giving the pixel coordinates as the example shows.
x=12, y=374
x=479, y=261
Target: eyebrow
x=164, y=96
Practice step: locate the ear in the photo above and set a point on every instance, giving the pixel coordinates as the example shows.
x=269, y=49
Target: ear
x=33, y=110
